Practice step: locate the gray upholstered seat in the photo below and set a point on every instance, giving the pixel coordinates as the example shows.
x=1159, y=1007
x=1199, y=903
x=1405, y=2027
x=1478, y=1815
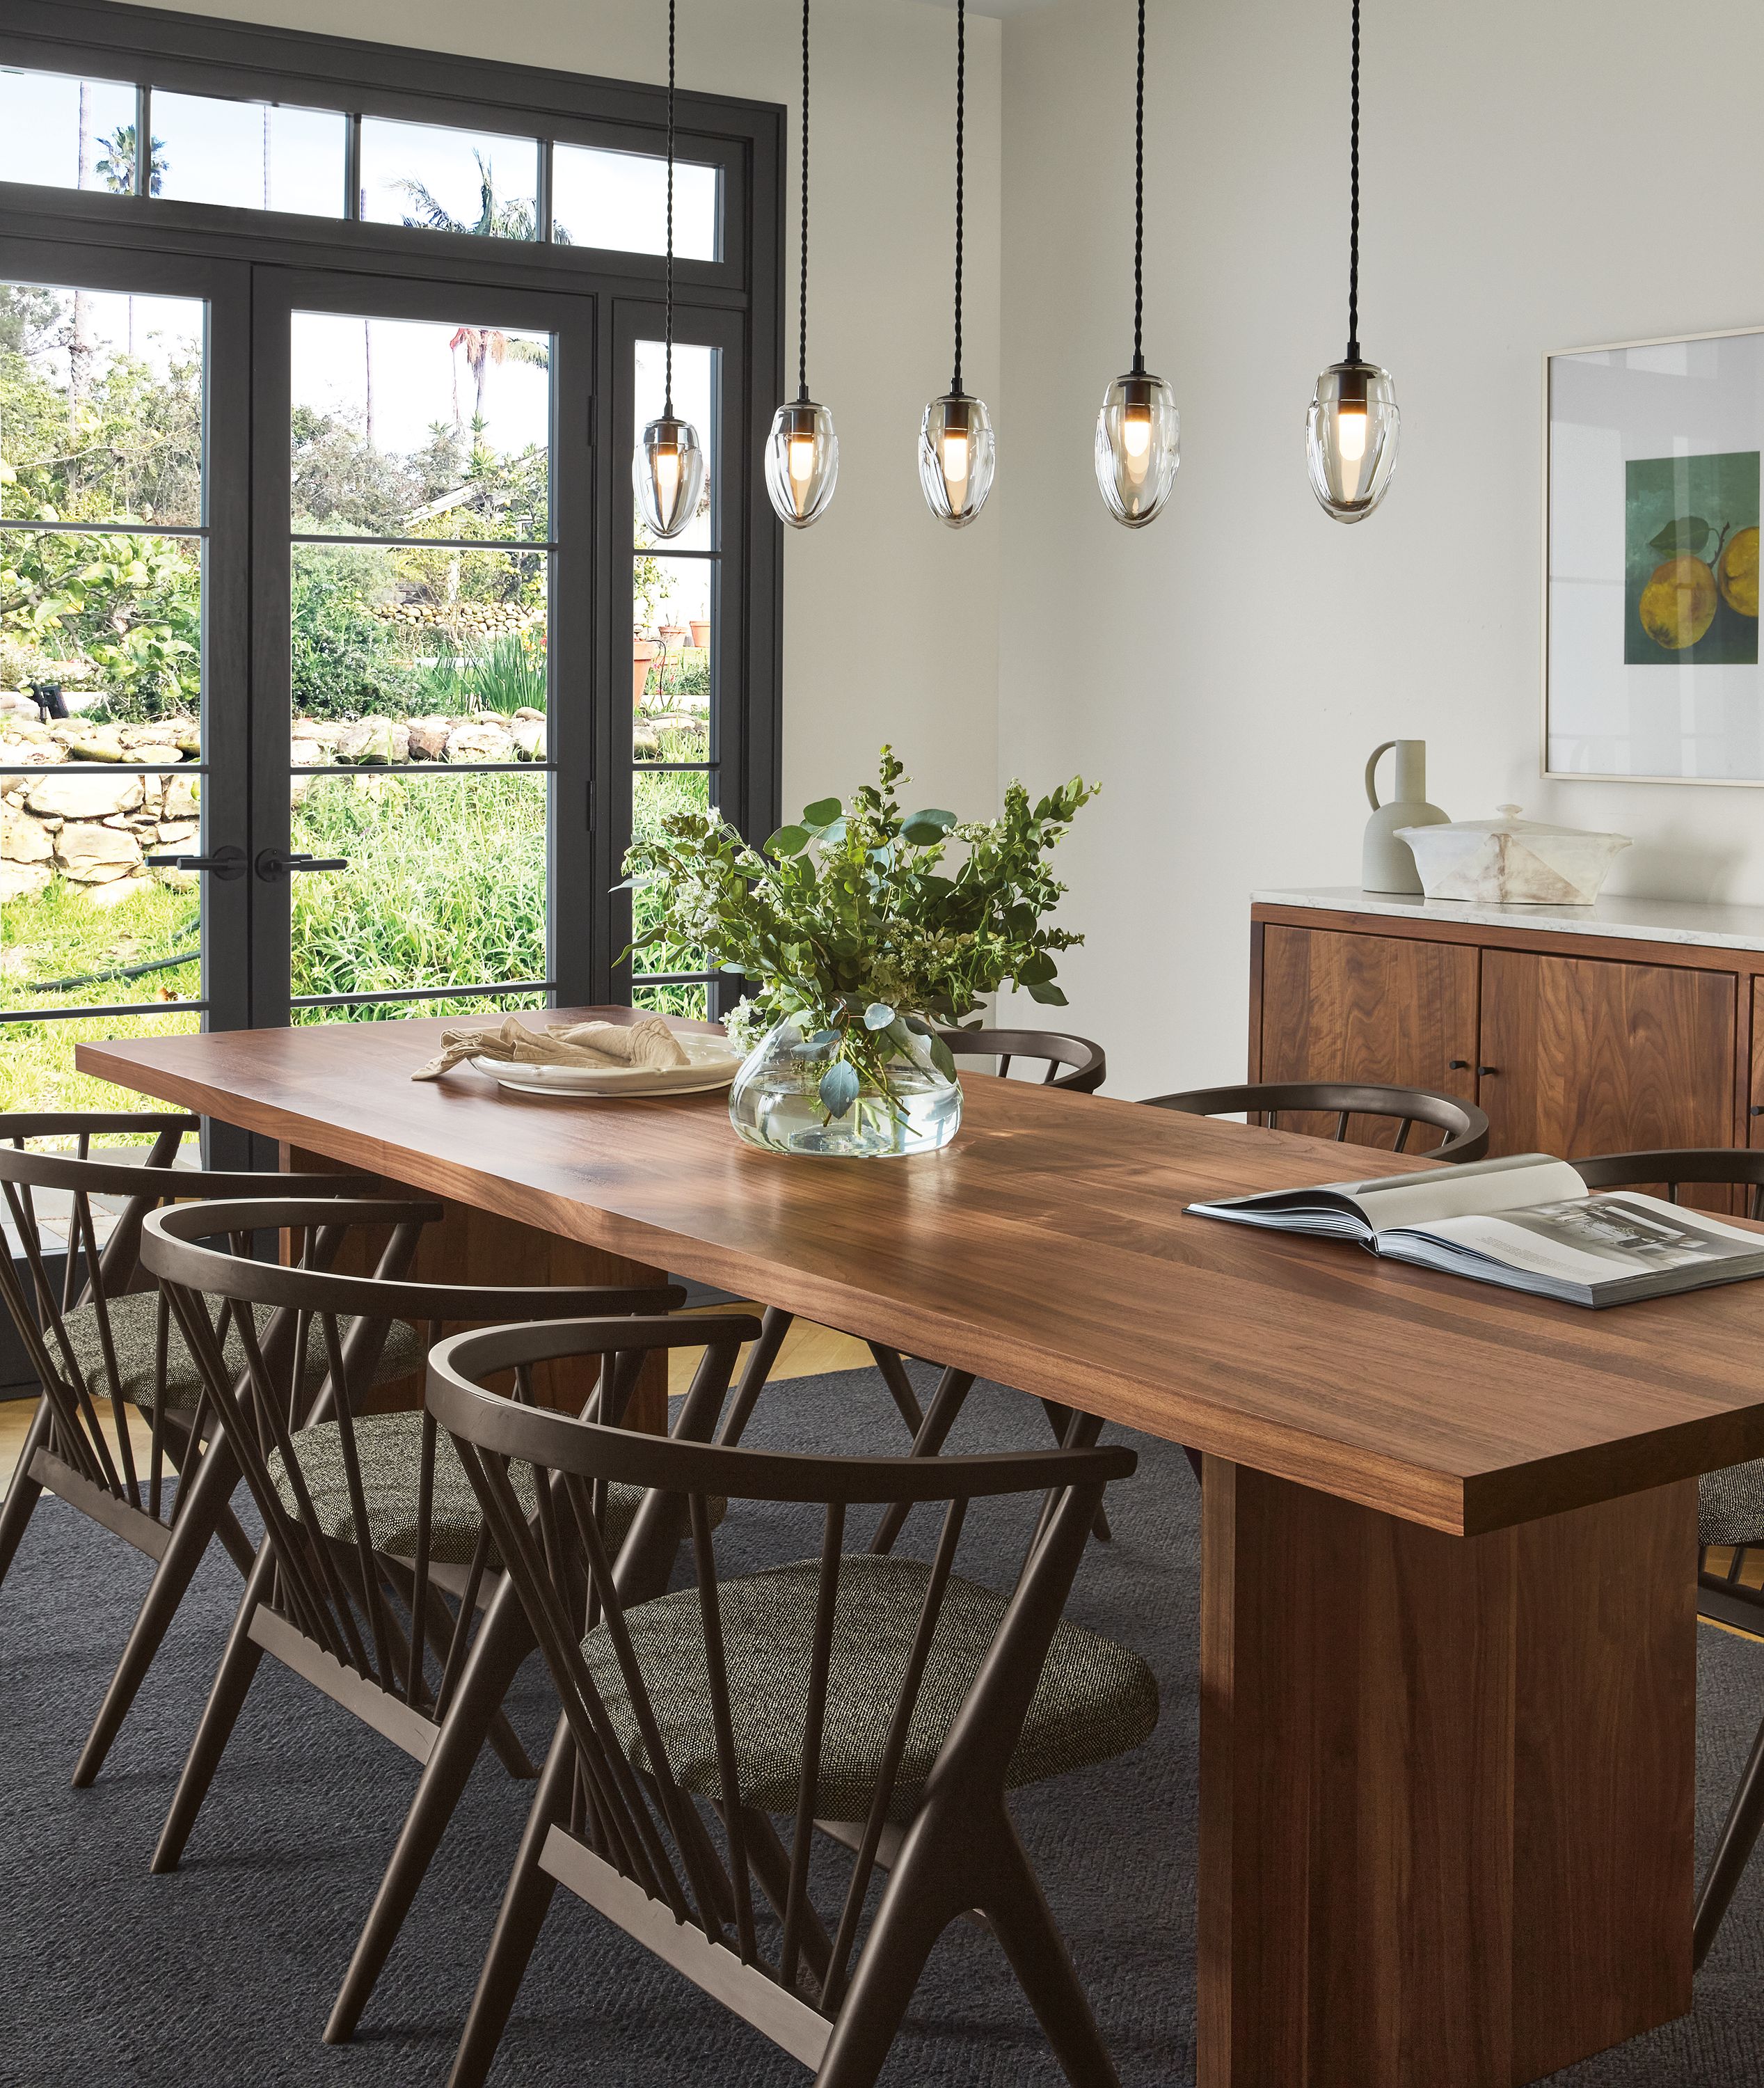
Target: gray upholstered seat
x=1730, y=1505
x=134, y=1320
x=388, y=1449
x=1094, y=1699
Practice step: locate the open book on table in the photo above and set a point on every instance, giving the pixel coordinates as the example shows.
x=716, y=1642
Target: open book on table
x=1527, y=1221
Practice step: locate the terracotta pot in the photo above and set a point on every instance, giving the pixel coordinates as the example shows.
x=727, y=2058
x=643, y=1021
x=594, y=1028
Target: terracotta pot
x=701, y=634
x=674, y=634
x=644, y=651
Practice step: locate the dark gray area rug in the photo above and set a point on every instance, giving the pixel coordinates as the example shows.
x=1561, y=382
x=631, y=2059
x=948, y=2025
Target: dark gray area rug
x=225, y=1973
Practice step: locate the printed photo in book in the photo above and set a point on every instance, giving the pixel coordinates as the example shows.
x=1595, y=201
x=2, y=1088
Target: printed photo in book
x=1527, y=1221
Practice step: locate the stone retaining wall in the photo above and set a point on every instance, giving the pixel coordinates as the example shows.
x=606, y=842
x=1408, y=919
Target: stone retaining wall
x=94, y=830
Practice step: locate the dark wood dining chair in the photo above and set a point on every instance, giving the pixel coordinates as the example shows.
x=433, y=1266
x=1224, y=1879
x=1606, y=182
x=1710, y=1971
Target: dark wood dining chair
x=100, y=1339
x=1465, y=1125
x=1072, y=1063
x=1730, y=1505
x=888, y=1705
x=371, y=1529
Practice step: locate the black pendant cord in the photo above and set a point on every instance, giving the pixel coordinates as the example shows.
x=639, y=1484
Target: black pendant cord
x=802, y=308
x=1139, y=203
x=1353, y=205
x=961, y=105
x=668, y=331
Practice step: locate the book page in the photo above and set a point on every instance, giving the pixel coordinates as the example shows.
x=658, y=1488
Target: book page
x=1481, y=1188
x=1600, y=1240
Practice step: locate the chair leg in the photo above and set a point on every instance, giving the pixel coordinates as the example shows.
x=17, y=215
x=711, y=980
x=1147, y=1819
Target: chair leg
x=518, y=1921
x=912, y=1915
x=204, y=1510
x=899, y=1385
x=24, y=1492
x=226, y=1699
x=774, y=1324
x=503, y=1642
x=1059, y=1417
x=1733, y=1852
x=1024, y=1923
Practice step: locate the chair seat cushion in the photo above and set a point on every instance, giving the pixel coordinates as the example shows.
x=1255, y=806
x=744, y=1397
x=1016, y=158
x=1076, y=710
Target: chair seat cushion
x=1730, y=1505
x=389, y=1453
x=1094, y=1699
x=134, y=1323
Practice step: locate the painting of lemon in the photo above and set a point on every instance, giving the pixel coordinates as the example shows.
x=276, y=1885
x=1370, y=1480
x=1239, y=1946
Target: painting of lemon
x=1736, y=575
x=1678, y=603
x=1690, y=566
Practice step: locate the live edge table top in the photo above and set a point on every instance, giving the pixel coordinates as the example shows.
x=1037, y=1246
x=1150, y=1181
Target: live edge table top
x=1047, y=1249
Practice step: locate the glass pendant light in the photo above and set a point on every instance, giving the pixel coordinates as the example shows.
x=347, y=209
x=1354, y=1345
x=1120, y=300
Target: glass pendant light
x=667, y=469
x=956, y=451
x=1350, y=431
x=802, y=453
x=1138, y=445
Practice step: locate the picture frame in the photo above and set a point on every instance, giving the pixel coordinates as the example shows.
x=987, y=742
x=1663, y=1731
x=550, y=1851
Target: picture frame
x=1650, y=666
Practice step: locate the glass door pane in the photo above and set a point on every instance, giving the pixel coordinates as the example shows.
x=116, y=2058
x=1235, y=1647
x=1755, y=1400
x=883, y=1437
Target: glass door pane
x=675, y=627
x=105, y=723
x=422, y=562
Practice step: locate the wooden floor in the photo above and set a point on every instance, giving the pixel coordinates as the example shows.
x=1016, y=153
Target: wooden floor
x=809, y=1351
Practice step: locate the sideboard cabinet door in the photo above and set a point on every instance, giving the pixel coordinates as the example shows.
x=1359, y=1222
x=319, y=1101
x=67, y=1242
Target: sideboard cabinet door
x=1382, y=1008
x=1581, y=1055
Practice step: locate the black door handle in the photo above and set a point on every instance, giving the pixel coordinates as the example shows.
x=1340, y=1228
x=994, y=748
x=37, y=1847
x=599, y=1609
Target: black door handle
x=1458, y=1065
x=1488, y=1069
x=272, y=863
x=225, y=862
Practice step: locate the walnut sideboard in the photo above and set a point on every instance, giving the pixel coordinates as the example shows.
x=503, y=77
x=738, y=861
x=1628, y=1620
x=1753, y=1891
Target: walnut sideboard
x=1629, y=1025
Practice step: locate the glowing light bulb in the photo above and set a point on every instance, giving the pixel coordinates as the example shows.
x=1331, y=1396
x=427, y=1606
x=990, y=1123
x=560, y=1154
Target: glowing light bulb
x=955, y=459
x=667, y=475
x=801, y=458
x=1136, y=430
x=1351, y=434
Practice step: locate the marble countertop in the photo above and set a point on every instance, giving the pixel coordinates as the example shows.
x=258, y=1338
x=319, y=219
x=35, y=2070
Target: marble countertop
x=1682, y=921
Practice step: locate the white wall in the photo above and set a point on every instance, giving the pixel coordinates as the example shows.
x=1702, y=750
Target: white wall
x=890, y=621
x=1535, y=178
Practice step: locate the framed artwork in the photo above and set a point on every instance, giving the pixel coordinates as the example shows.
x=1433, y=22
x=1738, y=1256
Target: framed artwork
x=1650, y=583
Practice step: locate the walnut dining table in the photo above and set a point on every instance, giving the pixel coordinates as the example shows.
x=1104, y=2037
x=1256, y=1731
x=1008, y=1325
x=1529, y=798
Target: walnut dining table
x=1448, y=1679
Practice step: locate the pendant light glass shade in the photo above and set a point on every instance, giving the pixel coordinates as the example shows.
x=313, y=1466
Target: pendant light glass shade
x=956, y=456
x=802, y=462
x=802, y=452
x=667, y=473
x=1350, y=431
x=1138, y=430
x=1351, y=438
x=956, y=450
x=667, y=465
x=1137, y=449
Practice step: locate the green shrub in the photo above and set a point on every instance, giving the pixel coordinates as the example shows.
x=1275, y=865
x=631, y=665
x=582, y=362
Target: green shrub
x=347, y=661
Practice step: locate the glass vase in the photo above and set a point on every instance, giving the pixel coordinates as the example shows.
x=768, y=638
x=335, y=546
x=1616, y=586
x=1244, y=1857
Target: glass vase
x=775, y=1102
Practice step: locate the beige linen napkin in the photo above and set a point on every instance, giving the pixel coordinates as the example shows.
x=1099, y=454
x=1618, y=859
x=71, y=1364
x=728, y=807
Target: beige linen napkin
x=650, y=1042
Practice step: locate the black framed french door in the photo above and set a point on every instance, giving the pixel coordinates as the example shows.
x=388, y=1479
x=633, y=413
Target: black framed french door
x=463, y=864
x=125, y=601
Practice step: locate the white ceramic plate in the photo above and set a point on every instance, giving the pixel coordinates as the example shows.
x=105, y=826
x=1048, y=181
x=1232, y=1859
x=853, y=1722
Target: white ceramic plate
x=713, y=1065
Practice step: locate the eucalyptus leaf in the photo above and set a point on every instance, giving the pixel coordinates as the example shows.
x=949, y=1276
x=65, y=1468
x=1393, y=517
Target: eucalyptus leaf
x=787, y=841
x=1688, y=532
x=943, y=1058
x=821, y=813
x=1049, y=996
x=878, y=1015
x=839, y=1088
x=1036, y=969
x=924, y=828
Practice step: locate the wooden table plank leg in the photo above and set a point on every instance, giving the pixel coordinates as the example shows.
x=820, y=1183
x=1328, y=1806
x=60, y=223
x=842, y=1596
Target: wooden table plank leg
x=1446, y=1788
x=466, y=1245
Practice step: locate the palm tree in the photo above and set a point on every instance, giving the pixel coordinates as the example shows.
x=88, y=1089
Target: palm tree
x=482, y=346
x=115, y=170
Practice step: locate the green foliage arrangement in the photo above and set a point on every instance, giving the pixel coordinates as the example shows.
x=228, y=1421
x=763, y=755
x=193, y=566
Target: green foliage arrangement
x=852, y=923
x=346, y=660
